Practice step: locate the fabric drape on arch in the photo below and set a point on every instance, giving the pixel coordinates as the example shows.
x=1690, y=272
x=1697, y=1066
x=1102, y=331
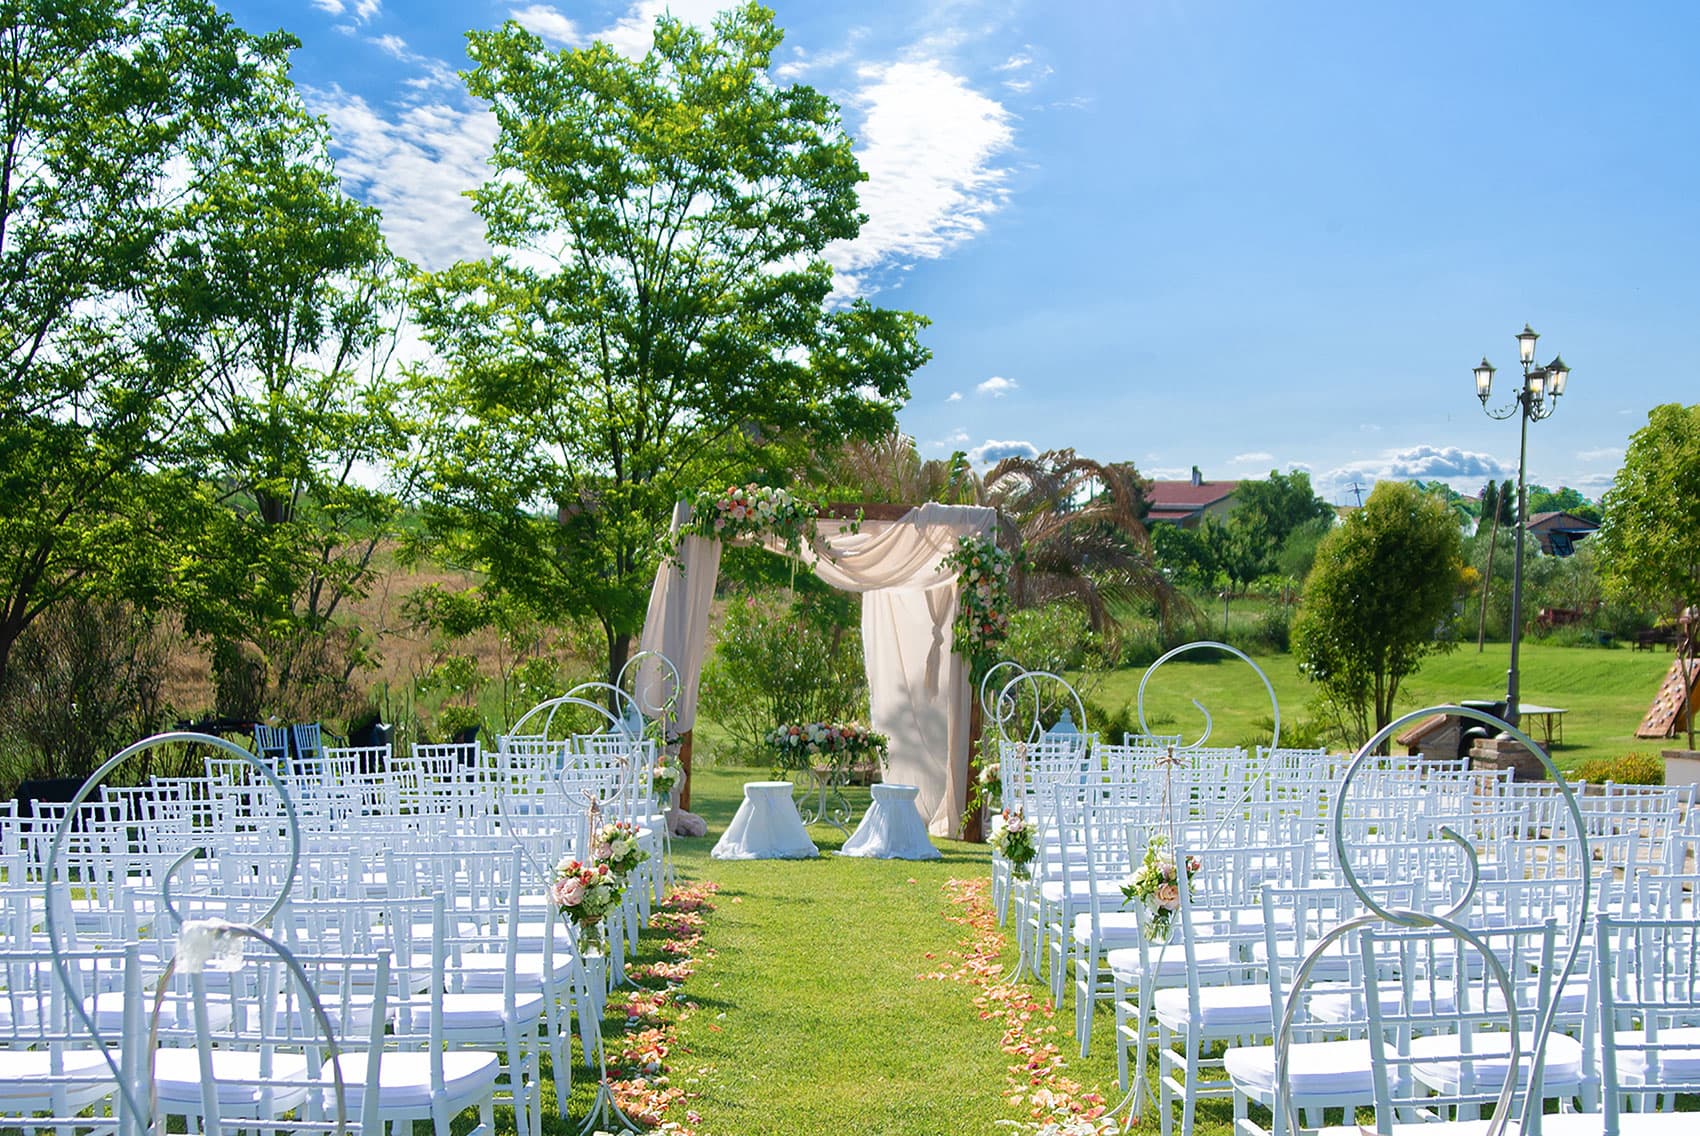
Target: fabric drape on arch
x=918, y=687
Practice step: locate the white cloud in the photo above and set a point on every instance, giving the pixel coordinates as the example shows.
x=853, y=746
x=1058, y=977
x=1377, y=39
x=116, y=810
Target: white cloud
x=1463, y=469
x=549, y=24
x=1257, y=456
x=1612, y=454
x=1024, y=71
x=929, y=143
x=365, y=9
x=997, y=386
x=435, y=72
x=394, y=45
x=991, y=452
x=330, y=7
x=415, y=168
x=634, y=33
x=954, y=396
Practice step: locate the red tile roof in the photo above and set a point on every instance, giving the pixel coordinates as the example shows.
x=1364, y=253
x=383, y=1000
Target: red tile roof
x=1187, y=498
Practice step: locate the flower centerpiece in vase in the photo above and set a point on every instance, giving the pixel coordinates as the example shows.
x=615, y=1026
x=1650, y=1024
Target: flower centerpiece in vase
x=835, y=746
x=1012, y=838
x=615, y=845
x=585, y=893
x=1157, y=884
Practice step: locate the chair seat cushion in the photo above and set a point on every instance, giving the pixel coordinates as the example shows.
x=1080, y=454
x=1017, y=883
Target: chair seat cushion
x=1113, y=927
x=479, y=1012
x=1440, y=1065
x=404, y=1079
x=1169, y=960
x=483, y=972
x=22, y=1072
x=1679, y=1055
x=1243, y=1008
x=175, y=1012
x=1334, y=1069
x=177, y=1074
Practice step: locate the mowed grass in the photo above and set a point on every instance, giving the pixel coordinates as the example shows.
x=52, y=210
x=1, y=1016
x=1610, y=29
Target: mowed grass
x=1605, y=691
x=813, y=1016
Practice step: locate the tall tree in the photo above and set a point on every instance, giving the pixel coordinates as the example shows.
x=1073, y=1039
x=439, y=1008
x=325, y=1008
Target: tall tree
x=1271, y=509
x=1383, y=582
x=100, y=101
x=656, y=319
x=300, y=430
x=1647, y=548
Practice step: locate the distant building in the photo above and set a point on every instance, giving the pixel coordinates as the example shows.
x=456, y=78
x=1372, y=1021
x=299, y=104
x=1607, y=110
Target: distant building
x=1559, y=532
x=1187, y=503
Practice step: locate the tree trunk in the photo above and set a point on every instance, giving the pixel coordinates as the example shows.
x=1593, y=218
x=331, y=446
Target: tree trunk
x=972, y=829
x=619, y=648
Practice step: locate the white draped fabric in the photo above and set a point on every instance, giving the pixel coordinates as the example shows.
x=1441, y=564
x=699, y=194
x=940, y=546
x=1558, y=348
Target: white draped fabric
x=918, y=686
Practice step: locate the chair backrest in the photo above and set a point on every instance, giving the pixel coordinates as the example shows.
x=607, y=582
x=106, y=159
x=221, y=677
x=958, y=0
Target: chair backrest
x=1645, y=977
x=1439, y=1019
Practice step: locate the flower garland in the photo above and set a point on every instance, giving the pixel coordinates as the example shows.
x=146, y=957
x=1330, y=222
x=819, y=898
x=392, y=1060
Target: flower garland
x=983, y=602
x=1156, y=883
x=985, y=788
x=1055, y=1103
x=752, y=511
x=836, y=744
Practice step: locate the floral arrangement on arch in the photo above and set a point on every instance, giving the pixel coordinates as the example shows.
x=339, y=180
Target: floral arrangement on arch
x=616, y=845
x=585, y=893
x=752, y=511
x=1156, y=883
x=835, y=744
x=1012, y=838
x=983, y=602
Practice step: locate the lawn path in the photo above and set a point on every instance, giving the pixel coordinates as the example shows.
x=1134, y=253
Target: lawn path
x=815, y=1012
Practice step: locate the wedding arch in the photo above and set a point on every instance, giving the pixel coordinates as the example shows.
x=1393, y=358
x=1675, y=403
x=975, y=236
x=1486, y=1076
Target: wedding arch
x=896, y=558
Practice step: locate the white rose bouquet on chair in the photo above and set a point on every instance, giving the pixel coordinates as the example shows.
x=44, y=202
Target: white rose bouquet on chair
x=1012, y=837
x=1157, y=884
x=616, y=845
x=665, y=777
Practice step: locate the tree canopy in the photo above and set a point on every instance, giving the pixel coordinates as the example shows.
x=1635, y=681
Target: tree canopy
x=1649, y=545
x=1380, y=593
x=656, y=319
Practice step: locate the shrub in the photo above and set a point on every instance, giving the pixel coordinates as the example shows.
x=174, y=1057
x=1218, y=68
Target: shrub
x=1053, y=638
x=779, y=662
x=1627, y=769
x=1273, y=631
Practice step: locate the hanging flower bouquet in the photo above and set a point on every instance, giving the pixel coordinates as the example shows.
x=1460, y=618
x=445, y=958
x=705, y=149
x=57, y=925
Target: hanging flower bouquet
x=585, y=893
x=616, y=845
x=838, y=745
x=983, y=603
x=665, y=776
x=752, y=511
x=986, y=789
x=1013, y=839
x=1156, y=883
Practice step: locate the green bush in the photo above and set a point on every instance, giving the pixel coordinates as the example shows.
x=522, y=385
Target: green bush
x=1053, y=638
x=1272, y=632
x=1628, y=769
x=778, y=663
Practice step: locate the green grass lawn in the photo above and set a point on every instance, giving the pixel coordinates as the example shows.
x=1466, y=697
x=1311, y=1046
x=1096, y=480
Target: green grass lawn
x=1606, y=692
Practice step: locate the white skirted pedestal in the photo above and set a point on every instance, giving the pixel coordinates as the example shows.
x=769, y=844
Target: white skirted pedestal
x=892, y=829
x=767, y=827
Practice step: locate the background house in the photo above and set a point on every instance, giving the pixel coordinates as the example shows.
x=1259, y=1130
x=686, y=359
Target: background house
x=1187, y=503
x=1559, y=532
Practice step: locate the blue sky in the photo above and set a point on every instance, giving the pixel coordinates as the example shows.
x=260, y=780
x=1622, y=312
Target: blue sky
x=1242, y=236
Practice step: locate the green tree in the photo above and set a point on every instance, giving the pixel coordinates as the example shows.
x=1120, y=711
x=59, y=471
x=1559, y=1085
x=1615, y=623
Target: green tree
x=1377, y=600
x=1271, y=509
x=1562, y=500
x=299, y=432
x=100, y=103
x=656, y=319
x=1647, y=548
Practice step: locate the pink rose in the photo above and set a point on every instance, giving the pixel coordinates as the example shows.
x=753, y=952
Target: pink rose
x=601, y=850
x=1168, y=897
x=571, y=892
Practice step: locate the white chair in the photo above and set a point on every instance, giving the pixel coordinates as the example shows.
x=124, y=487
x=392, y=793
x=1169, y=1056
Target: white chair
x=1646, y=976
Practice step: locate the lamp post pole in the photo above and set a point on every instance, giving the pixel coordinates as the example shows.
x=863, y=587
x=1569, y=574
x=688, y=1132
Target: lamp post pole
x=1536, y=399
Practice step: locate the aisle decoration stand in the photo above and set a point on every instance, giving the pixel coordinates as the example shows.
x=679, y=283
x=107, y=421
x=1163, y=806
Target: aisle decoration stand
x=201, y=944
x=604, y=1113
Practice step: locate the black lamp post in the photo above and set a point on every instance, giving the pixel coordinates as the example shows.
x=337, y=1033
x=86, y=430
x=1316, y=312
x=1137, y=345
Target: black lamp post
x=1536, y=399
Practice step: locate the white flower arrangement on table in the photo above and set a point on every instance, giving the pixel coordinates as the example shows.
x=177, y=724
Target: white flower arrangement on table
x=752, y=511
x=1013, y=838
x=585, y=893
x=838, y=745
x=1157, y=884
x=616, y=846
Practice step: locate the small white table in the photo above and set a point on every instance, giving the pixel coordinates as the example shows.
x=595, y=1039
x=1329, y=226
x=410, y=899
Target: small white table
x=766, y=827
x=892, y=829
